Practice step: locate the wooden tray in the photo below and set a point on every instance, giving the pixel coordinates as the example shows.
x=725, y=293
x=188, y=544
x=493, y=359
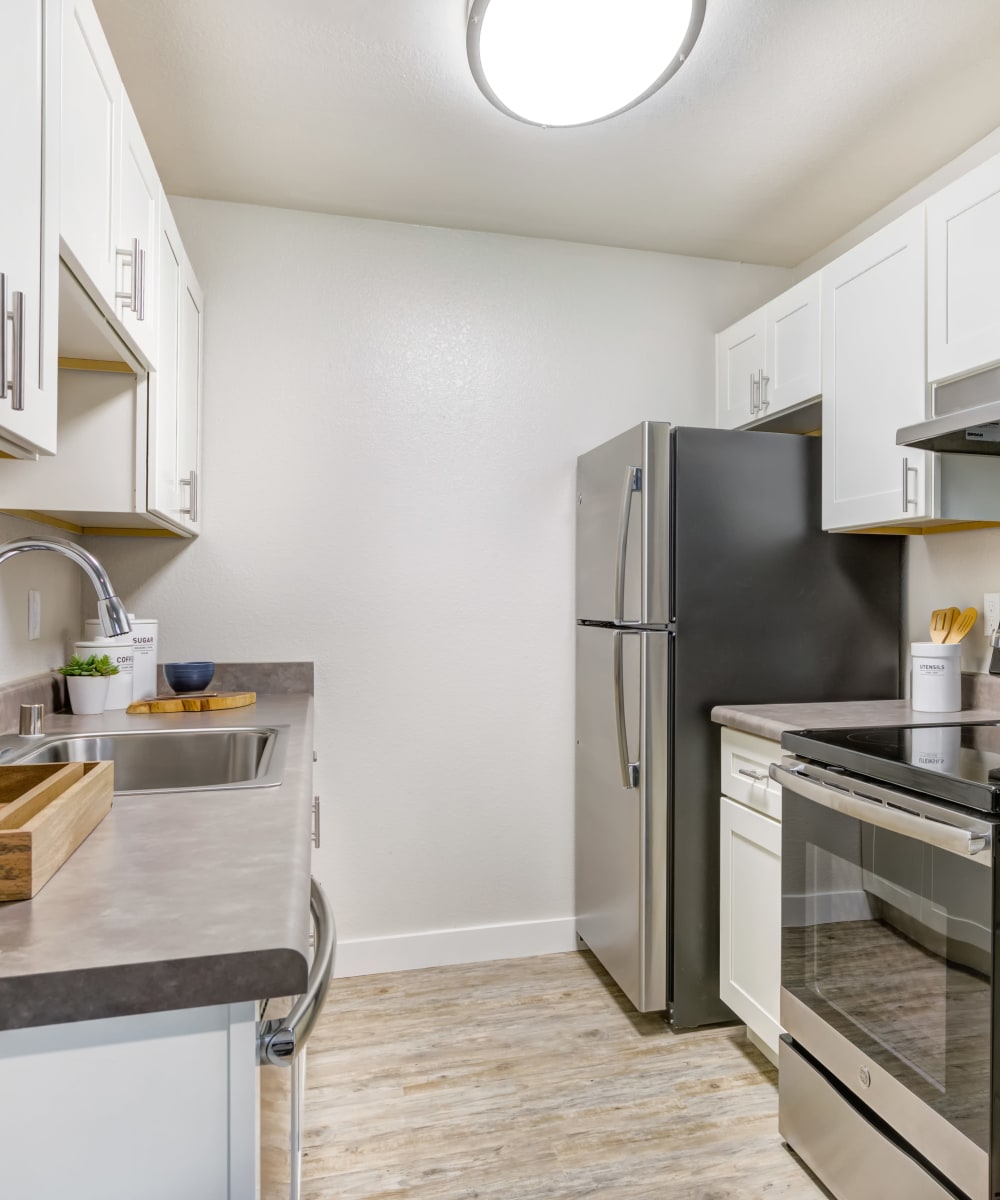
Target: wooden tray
x=196, y=702
x=46, y=811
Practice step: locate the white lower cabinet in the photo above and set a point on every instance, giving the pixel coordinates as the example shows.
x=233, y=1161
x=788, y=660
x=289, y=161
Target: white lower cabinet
x=159, y=1106
x=750, y=888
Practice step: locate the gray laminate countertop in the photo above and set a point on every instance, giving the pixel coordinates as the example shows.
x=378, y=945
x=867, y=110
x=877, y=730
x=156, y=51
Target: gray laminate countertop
x=772, y=720
x=176, y=900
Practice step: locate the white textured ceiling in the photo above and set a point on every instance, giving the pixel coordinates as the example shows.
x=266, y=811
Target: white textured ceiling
x=792, y=120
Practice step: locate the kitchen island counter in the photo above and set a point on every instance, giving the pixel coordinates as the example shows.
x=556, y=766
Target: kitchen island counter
x=177, y=899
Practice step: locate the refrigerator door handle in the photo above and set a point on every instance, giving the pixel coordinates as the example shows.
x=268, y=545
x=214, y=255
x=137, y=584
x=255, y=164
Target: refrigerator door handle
x=633, y=484
x=630, y=770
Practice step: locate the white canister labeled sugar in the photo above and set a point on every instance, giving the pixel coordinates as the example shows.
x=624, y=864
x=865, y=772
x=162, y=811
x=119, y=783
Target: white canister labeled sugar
x=121, y=652
x=937, y=677
x=144, y=635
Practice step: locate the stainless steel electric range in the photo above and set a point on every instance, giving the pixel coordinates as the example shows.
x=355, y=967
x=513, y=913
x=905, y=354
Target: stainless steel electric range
x=888, y=1086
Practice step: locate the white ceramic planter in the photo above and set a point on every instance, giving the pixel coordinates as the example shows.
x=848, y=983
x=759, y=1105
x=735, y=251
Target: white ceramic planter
x=88, y=693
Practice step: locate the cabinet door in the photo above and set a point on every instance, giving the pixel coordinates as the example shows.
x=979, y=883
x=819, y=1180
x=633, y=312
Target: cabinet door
x=874, y=380
x=136, y=242
x=163, y=495
x=189, y=398
x=28, y=252
x=91, y=97
x=739, y=361
x=750, y=918
x=963, y=269
x=792, y=366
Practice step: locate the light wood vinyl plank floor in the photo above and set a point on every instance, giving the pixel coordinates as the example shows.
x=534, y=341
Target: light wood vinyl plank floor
x=531, y=1079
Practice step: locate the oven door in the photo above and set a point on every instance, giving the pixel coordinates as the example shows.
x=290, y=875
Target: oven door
x=887, y=950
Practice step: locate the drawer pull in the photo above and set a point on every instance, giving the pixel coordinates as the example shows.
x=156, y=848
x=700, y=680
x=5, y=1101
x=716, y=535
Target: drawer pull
x=756, y=776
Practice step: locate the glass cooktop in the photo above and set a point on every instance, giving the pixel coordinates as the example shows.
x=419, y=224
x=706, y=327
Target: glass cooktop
x=960, y=763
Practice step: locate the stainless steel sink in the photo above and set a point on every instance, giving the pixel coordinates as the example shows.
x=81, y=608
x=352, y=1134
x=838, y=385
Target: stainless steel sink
x=174, y=760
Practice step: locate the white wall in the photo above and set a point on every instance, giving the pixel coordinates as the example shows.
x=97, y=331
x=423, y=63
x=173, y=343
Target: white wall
x=393, y=415
x=59, y=582
x=952, y=569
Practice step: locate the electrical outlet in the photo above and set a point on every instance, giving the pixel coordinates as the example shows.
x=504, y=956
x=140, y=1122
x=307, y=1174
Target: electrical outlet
x=34, y=616
x=991, y=613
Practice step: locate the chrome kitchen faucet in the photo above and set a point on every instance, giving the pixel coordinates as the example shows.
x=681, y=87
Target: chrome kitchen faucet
x=110, y=609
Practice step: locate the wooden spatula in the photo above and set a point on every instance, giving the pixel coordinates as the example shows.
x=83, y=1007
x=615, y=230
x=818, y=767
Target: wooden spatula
x=961, y=626
x=942, y=620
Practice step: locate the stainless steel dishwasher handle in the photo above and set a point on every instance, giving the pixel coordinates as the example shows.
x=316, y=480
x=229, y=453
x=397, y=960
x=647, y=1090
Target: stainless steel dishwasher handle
x=872, y=811
x=280, y=1040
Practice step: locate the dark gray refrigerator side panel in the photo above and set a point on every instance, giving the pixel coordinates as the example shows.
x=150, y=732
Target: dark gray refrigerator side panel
x=622, y=526
x=769, y=609
x=621, y=806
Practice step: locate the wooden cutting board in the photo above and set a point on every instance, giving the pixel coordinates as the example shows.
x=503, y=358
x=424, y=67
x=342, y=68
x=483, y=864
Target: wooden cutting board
x=197, y=702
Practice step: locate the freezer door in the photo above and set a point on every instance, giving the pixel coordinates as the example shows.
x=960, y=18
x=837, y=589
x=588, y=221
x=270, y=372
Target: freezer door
x=622, y=535
x=621, y=806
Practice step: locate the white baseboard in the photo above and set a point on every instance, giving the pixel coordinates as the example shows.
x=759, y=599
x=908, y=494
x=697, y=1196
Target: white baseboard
x=446, y=947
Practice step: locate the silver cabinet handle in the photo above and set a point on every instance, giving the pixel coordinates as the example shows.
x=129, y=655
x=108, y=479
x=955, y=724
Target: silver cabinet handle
x=12, y=366
x=754, y=392
x=756, y=776
x=192, y=509
x=134, y=298
x=633, y=484
x=15, y=384
x=629, y=770
x=316, y=811
x=281, y=1039
x=764, y=381
x=908, y=469
x=141, y=290
x=3, y=336
x=872, y=811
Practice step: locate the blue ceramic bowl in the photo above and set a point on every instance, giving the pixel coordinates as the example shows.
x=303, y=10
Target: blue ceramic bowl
x=189, y=676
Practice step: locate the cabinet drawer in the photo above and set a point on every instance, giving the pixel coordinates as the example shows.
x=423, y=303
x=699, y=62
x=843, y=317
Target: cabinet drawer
x=745, y=760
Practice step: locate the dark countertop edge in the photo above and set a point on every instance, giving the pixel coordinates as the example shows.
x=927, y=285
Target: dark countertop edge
x=59, y=998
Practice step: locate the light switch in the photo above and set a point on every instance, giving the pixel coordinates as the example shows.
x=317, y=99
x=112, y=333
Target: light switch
x=34, y=616
x=991, y=613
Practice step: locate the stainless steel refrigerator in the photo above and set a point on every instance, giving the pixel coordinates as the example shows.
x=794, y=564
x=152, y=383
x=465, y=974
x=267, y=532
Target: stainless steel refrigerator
x=702, y=578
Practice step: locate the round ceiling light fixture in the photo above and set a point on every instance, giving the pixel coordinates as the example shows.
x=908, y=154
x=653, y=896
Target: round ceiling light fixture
x=575, y=62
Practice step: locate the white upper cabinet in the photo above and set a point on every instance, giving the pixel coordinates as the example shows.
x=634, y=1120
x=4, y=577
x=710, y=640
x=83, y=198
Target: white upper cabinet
x=175, y=388
x=189, y=399
x=29, y=57
x=739, y=366
x=792, y=363
x=126, y=320
x=874, y=380
x=89, y=149
x=109, y=187
x=963, y=274
x=137, y=224
x=770, y=360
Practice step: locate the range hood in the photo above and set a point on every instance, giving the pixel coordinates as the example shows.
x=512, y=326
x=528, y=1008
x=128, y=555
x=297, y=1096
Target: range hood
x=966, y=417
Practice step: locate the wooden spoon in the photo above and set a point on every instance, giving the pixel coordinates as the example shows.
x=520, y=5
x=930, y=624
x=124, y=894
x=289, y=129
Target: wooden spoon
x=961, y=626
x=942, y=620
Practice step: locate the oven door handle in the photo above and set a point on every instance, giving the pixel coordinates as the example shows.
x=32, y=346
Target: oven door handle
x=281, y=1039
x=932, y=833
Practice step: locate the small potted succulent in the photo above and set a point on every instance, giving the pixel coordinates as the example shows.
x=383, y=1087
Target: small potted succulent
x=88, y=680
